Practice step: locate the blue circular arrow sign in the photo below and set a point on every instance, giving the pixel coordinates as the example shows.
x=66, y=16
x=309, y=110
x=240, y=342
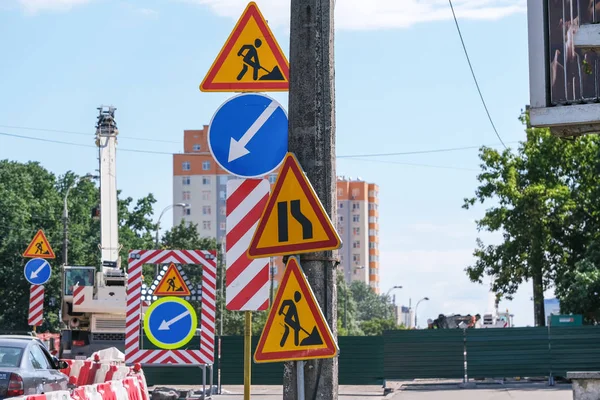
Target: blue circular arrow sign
x=170, y=322
x=248, y=135
x=37, y=271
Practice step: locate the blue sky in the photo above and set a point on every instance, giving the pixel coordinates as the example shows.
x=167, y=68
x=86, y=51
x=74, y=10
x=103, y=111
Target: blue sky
x=402, y=84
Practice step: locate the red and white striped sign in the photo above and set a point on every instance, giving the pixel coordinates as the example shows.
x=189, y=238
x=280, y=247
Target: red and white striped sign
x=78, y=296
x=208, y=261
x=247, y=280
x=36, y=305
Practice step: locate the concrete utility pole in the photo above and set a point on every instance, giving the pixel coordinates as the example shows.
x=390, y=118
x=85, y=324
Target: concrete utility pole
x=312, y=140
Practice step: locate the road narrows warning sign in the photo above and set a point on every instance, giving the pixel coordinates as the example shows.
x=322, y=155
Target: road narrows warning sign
x=39, y=247
x=172, y=284
x=296, y=328
x=251, y=59
x=294, y=220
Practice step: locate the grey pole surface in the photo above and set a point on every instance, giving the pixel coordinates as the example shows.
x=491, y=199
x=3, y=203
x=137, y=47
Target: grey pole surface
x=167, y=208
x=417, y=308
x=312, y=140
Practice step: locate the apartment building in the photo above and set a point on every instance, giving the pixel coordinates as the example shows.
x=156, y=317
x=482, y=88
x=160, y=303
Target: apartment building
x=357, y=224
x=200, y=182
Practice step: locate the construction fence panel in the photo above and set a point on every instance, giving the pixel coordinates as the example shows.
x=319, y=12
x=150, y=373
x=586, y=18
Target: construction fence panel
x=419, y=354
x=507, y=352
x=574, y=348
x=360, y=363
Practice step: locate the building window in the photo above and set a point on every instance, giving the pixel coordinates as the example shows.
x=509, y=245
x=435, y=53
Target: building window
x=187, y=211
x=206, y=225
x=222, y=211
x=186, y=195
x=341, y=230
x=223, y=179
x=356, y=218
x=372, y=245
x=356, y=231
x=185, y=180
x=274, y=270
x=223, y=225
x=341, y=205
x=356, y=258
x=206, y=180
x=185, y=166
x=206, y=165
x=356, y=244
x=341, y=218
x=205, y=210
x=222, y=195
x=272, y=178
x=356, y=206
x=196, y=147
x=355, y=192
x=340, y=192
x=206, y=195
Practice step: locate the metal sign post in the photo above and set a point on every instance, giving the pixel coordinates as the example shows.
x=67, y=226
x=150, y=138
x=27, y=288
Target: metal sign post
x=247, y=354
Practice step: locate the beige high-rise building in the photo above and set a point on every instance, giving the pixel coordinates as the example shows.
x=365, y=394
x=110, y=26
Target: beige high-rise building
x=358, y=227
x=200, y=182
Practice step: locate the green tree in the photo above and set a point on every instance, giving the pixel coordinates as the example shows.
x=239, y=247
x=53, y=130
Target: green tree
x=376, y=326
x=540, y=197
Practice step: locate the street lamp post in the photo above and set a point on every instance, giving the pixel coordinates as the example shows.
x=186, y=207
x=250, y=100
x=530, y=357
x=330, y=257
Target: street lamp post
x=417, y=308
x=66, y=215
x=388, y=295
x=183, y=205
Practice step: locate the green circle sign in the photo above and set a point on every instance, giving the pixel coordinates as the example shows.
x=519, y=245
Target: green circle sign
x=170, y=323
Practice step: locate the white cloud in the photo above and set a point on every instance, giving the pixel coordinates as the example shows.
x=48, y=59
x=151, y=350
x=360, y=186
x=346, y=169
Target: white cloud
x=147, y=12
x=377, y=14
x=35, y=6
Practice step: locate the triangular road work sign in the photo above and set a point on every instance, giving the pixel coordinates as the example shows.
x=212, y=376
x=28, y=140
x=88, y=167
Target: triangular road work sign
x=296, y=328
x=172, y=284
x=251, y=59
x=39, y=247
x=294, y=220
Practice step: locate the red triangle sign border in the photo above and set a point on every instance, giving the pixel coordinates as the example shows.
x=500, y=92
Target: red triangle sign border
x=291, y=164
x=208, y=84
x=293, y=267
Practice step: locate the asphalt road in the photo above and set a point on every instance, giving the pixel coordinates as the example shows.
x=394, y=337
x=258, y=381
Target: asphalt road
x=522, y=392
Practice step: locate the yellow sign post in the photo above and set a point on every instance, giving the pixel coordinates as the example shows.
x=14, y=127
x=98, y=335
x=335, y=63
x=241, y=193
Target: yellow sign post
x=251, y=59
x=294, y=220
x=296, y=328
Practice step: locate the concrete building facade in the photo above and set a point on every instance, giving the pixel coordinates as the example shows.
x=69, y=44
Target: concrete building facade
x=200, y=182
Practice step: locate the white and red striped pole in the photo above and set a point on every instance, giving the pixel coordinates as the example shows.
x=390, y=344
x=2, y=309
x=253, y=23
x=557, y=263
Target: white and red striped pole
x=247, y=283
x=36, y=305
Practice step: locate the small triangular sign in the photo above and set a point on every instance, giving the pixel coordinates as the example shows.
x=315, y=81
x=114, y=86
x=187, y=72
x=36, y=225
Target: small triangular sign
x=296, y=328
x=251, y=59
x=39, y=247
x=294, y=220
x=172, y=284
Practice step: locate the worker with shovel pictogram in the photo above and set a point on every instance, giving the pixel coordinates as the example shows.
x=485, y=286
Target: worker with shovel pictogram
x=250, y=59
x=291, y=320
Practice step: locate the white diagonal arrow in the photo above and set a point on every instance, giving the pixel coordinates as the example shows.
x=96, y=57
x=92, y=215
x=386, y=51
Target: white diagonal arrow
x=166, y=325
x=237, y=148
x=35, y=273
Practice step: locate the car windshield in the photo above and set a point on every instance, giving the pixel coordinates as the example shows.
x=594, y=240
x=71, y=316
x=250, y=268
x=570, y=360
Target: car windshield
x=10, y=356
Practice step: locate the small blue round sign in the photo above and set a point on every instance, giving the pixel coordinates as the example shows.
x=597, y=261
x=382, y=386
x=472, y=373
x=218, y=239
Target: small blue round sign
x=170, y=322
x=248, y=135
x=37, y=271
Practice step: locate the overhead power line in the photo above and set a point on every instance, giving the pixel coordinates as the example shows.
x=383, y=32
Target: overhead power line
x=473, y=74
x=85, y=133
x=351, y=156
